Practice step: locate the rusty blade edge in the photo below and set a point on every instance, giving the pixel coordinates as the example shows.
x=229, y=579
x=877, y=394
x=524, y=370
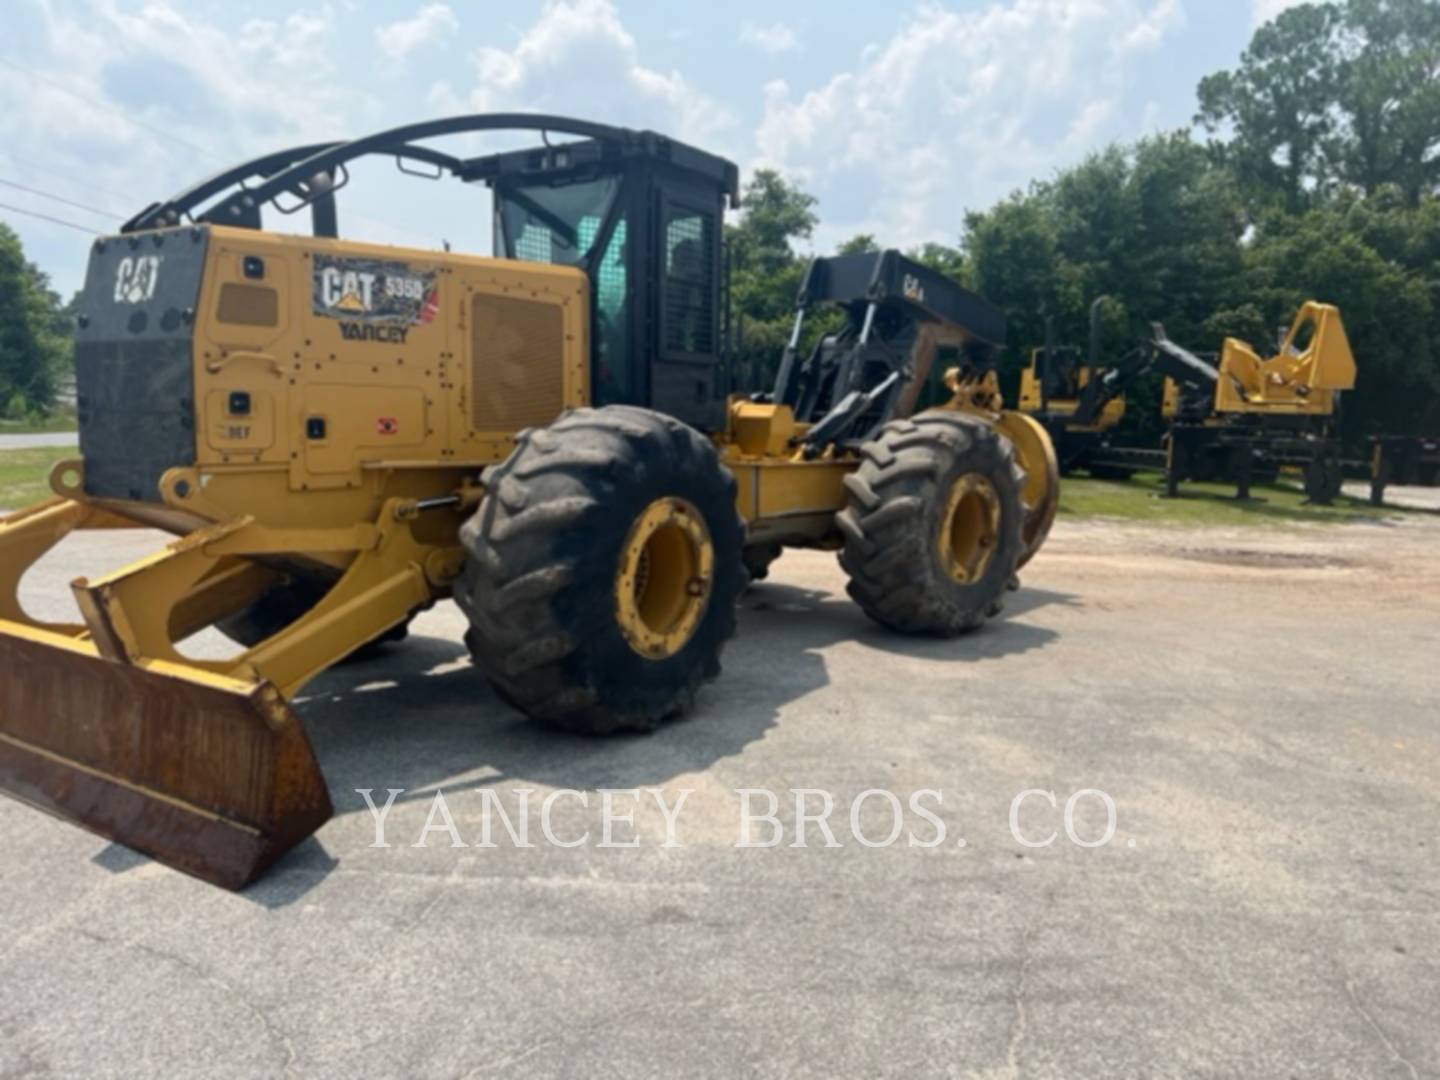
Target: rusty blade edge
x=187, y=838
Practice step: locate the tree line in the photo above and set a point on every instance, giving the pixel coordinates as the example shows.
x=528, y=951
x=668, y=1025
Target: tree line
x=1311, y=172
x=35, y=334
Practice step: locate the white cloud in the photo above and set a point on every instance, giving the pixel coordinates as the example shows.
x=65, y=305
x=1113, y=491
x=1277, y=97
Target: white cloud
x=1154, y=26
x=432, y=23
x=1262, y=11
x=578, y=58
x=775, y=38
x=958, y=107
x=121, y=105
x=159, y=67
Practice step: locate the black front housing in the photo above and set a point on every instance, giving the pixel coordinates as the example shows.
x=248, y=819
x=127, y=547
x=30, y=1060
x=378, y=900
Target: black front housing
x=134, y=374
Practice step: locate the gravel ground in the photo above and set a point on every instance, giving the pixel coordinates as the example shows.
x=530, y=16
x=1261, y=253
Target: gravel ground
x=1259, y=705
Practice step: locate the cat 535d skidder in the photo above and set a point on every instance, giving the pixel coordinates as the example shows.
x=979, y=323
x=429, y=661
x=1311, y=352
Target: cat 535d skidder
x=339, y=434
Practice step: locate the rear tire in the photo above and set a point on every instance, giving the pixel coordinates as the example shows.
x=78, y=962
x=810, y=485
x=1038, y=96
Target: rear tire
x=602, y=570
x=933, y=529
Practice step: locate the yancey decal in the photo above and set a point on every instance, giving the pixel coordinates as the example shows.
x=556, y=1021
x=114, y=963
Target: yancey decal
x=374, y=299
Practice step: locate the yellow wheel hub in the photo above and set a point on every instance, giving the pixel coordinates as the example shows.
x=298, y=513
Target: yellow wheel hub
x=1041, y=494
x=969, y=528
x=662, y=585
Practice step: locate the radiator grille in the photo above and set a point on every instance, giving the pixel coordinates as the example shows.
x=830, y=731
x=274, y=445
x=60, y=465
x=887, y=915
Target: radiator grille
x=517, y=376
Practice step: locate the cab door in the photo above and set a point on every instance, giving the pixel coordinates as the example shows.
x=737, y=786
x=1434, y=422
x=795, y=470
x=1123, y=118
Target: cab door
x=685, y=374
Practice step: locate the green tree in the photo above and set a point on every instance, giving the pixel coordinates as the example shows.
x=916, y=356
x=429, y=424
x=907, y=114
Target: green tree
x=774, y=214
x=1387, y=91
x=1277, y=105
x=1012, y=252
x=33, y=332
x=1332, y=95
x=942, y=257
x=1156, y=227
x=766, y=273
x=858, y=244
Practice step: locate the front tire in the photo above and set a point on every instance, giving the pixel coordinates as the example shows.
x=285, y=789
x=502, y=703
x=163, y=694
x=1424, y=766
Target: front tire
x=933, y=527
x=602, y=570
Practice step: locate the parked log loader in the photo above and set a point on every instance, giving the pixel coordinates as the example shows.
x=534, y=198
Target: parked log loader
x=340, y=434
x=1247, y=413
x=1234, y=415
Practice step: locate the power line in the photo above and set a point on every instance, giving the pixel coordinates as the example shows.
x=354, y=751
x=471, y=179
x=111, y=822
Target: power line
x=164, y=133
x=47, y=217
x=59, y=199
x=153, y=128
x=87, y=185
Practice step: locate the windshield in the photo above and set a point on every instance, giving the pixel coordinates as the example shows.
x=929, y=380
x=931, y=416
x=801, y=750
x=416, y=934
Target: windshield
x=555, y=224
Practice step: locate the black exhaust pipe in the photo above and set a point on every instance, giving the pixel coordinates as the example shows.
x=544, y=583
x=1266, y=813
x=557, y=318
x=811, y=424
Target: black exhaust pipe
x=1094, y=358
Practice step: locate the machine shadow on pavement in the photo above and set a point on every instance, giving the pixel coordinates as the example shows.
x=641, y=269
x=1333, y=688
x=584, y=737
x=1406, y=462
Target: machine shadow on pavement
x=420, y=718
x=417, y=715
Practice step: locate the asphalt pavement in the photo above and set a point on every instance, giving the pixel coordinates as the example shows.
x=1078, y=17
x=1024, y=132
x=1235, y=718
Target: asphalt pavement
x=1259, y=705
x=36, y=440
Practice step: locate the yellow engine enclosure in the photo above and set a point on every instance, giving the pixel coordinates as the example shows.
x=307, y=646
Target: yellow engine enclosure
x=506, y=348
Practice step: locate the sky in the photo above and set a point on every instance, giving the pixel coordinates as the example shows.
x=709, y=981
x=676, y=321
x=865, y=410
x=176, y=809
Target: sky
x=898, y=117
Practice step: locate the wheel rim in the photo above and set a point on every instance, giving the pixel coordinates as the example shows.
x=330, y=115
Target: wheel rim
x=969, y=528
x=1041, y=493
x=662, y=585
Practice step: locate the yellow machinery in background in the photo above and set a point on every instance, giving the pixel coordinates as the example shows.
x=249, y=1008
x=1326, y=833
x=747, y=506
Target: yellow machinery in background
x=1303, y=378
x=340, y=434
x=1254, y=415
x=1080, y=401
x=1066, y=405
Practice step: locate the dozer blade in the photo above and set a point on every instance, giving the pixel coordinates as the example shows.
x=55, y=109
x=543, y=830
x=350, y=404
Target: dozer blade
x=207, y=774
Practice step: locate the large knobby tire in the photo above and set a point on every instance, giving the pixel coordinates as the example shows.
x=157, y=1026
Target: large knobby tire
x=1324, y=481
x=933, y=526
x=602, y=570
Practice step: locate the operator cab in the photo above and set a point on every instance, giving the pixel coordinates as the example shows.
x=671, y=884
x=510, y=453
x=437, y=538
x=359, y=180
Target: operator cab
x=1058, y=369
x=644, y=220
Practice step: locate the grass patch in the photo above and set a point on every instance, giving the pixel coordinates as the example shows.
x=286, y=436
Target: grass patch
x=1139, y=499
x=24, y=474
x=60, y=421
